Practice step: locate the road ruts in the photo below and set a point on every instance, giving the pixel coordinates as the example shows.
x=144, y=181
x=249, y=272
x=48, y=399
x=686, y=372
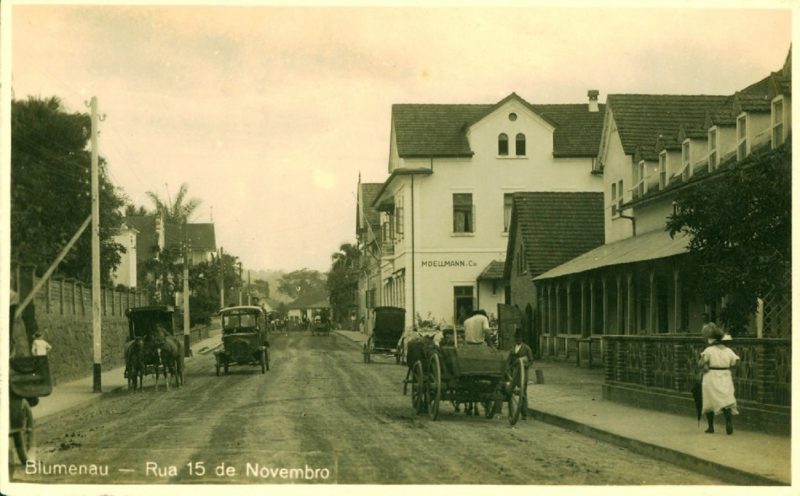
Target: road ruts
x=319, y=408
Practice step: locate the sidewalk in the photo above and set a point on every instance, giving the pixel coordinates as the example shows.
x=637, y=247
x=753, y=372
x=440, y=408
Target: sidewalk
x=571, y=398
x=79, y=391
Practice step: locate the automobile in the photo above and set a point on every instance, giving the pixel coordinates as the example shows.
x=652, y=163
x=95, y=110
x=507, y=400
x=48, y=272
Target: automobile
x=244, y=338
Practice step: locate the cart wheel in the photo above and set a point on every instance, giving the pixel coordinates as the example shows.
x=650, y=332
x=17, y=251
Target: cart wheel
x=263, y=361
x=434, y=391
x=23, y=439
x=517, y=392
x=418, y=388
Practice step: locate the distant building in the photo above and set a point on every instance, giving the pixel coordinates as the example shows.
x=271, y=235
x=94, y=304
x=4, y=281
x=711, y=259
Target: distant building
x=126, y=272
x=368, y=234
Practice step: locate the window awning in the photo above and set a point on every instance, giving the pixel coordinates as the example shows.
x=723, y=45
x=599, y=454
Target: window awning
x=648, y=246
x=493, y=271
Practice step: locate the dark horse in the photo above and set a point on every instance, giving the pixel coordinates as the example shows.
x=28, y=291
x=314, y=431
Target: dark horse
x=135, y=364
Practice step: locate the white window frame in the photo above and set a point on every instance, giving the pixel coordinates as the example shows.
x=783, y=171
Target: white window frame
x=779, y=125
x=742, y=144
x=686, y=159
x=713, y=148
x=663, y=177
x=640, y=189
x=614, y=209
x=473, y=213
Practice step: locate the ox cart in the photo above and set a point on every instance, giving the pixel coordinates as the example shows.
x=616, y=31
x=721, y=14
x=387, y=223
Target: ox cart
x=153, y=346
x=464, y=374
x=387, y=333
x=244, y=338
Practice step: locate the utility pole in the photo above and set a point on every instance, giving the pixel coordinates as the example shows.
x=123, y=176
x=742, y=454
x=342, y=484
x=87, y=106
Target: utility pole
x=96, y=310
x=187, y=351
x=221, y=280
x=249, y=300
x=240, y=283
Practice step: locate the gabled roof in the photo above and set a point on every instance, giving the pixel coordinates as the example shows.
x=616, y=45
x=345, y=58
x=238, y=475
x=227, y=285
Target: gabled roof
x=641, y=119
x=494, y=271
x=555, y=227
x=368, y=194
x=146, y=237
x=440, y=130
x=200, y=236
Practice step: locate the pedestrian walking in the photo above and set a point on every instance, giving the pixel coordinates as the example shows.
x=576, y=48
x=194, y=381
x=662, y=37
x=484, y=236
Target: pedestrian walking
x=717, y=361
x=40, y=347
x=523, y=351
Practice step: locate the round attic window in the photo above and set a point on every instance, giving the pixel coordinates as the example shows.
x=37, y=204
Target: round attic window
x=512, y=116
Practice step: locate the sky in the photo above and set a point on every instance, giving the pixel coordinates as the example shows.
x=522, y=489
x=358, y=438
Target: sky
x=270, y=114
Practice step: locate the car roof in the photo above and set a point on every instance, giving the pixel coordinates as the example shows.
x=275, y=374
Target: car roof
x=243, y=309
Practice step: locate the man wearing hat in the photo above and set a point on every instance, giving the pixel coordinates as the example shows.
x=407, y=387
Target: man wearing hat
x=523, y=351
x=717, y=360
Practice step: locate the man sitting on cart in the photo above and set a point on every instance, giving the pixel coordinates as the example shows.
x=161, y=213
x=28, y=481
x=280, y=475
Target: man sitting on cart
x=477, y=329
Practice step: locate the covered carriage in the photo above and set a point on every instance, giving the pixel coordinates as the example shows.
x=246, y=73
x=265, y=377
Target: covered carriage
x=387, y=333
x=244, y=338
x=464, y=374
x=152, y=330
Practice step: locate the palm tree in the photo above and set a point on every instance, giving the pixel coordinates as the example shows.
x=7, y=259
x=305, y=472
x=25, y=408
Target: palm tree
x=178, y=211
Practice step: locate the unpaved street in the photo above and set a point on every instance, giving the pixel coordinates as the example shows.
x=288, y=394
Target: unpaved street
x=319, y=408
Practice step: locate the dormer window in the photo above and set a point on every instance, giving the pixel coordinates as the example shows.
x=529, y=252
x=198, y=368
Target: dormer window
x=777, y=122
x=662, y=170
x=686, y=160
x=641, y=186
x=713, y=157
x=741, y=137
x=520, y=145
x=502, y=145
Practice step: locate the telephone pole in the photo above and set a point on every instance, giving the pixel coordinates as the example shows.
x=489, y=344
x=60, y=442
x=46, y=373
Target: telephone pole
x=97, y=314
x=187, y=351
x=249, y=301
x=240, y=283
x=221, y=280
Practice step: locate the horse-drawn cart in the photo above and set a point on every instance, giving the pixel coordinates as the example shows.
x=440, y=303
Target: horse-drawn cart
x=464, y=374
x=153, y=346
x=244, y=338
x=385, y=338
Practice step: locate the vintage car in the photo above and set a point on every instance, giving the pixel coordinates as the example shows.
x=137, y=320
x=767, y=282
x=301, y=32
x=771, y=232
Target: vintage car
x=244, y=338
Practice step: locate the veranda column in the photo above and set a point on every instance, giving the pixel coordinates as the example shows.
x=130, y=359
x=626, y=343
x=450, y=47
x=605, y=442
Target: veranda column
x=569, y=308
x=629, y=319
x=605, y=305
x=676, y=307
x=558, y=308
x=592, y=313
x=620, y=323
x=652, y=321
x=583, y=307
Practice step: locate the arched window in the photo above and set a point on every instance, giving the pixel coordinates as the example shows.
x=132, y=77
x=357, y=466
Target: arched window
x=502, y=144
x=521, y=144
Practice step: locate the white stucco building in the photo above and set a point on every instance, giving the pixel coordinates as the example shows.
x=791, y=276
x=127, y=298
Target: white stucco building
x=446, y=206
x=125, y=273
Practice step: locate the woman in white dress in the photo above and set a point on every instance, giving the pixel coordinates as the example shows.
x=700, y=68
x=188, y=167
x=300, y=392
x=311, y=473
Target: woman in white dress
x=717, y=360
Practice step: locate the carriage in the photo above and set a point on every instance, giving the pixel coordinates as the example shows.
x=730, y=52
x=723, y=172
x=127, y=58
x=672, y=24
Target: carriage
x=387, y=333
x=151, y=327
x=464, y=374
x=29, y=379
x=321, y=325
x=244, y=338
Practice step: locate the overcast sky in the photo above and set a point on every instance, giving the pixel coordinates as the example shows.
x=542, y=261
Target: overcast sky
x=270, y=113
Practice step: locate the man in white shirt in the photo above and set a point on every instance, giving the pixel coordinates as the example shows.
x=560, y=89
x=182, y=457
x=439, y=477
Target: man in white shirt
x=476, y=328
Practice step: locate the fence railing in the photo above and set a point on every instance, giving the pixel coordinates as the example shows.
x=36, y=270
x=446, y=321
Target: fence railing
x=670, y=363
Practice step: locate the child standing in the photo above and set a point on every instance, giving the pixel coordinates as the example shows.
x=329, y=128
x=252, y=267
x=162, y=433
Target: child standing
x=39, y=347
x=717, y=360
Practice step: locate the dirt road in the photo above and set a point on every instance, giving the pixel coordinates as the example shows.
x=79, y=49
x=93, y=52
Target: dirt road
x=324, y=416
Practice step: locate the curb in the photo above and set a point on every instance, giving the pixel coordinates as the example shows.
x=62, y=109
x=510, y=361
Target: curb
x=683, y=460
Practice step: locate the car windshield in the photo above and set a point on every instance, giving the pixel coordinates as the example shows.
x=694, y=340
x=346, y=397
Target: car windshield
x=239, y=321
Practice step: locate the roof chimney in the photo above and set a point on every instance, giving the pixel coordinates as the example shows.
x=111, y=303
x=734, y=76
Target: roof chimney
x=593, y=107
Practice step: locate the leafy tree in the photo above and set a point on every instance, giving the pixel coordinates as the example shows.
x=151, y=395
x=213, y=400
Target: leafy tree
x=342, y=280
x=51, y=190
x=303, y=283
x=739, y=225
x=176, y=211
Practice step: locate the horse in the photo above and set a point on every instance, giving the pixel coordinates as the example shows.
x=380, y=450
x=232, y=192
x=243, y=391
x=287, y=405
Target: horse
x=170, y=354
x=134, y=364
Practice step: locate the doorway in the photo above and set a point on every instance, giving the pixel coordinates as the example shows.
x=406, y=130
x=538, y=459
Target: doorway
x=463, y=303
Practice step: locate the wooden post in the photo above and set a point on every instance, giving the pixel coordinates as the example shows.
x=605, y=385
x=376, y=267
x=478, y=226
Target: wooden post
x=592, y=313
x=620, y=323
x=583, y=307
x=676, y=304
x=605, y=305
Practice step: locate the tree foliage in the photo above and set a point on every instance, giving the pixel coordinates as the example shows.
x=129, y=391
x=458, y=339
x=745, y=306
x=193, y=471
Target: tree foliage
x=178, y=210
x=51, y=190
x=739, y=225
x=342, y=280
x=305, y=284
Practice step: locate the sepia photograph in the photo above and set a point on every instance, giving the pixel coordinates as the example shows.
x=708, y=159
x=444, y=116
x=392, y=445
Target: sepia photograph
x=517, y=247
